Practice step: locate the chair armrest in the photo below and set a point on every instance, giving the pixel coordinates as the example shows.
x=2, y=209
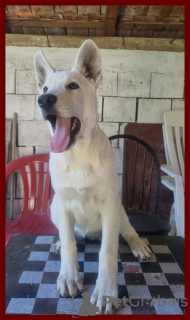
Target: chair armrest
x=167, y=168
x=167, y=183
x=166, y=180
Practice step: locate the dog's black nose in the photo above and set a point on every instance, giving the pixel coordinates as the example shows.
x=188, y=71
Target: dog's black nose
x=46, y=101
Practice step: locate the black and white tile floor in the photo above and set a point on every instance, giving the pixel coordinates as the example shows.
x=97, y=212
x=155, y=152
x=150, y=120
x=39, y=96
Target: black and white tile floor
x=150, y=287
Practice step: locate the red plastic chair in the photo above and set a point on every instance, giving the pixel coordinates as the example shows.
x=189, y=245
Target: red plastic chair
x=38, y=194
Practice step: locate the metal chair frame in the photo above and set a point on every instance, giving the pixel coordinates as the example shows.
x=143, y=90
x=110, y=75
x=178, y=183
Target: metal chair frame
x=155, y=162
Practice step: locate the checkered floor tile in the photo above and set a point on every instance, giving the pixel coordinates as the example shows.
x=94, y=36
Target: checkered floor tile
x=145, y=287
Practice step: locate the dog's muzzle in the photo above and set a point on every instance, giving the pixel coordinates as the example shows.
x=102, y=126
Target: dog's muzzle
x=46, y=101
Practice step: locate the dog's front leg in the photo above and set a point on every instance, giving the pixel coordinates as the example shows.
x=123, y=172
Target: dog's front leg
x=106, y=283
x=69, y=280
x=138, y=246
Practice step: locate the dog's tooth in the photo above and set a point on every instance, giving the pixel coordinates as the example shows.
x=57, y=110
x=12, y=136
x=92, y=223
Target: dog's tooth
x=73, y=127
x=74, y=124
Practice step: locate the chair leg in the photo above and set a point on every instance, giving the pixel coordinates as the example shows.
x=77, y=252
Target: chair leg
x=179, y=206
x=172, y=221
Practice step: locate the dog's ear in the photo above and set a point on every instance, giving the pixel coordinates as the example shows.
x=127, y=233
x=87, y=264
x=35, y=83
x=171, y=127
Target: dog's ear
x=88, y=61
x=42, y=68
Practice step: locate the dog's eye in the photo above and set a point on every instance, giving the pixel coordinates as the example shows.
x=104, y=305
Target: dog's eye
x=45, y=89
x=73, y=86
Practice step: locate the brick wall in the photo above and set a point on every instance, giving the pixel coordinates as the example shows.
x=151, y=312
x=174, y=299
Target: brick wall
x=137, y=86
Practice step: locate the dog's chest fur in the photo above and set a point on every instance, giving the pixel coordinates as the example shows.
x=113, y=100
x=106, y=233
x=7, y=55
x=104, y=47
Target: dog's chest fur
x=80, y=185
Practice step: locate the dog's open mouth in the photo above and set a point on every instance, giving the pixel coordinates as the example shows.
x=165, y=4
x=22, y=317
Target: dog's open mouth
x=64, y=130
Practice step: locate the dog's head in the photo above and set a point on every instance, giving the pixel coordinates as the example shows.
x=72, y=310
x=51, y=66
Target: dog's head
x=68, y=98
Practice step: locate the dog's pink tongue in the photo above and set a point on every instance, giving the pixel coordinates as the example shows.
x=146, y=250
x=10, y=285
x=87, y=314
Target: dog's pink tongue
x=61, y=138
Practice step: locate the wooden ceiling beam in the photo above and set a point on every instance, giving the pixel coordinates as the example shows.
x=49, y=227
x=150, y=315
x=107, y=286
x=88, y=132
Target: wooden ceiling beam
x=53, y=23
x=110, y=20
x=151, y=25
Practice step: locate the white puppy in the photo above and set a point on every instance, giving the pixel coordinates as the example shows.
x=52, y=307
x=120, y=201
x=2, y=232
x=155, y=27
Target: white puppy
x=83, y=172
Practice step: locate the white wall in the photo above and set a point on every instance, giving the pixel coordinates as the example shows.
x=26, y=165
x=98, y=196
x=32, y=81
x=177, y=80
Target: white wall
x=138, y=86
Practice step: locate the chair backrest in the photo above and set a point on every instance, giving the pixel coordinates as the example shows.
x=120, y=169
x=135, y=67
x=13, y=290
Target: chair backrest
x=38, y=192
x=141, y=175
x=174, y=139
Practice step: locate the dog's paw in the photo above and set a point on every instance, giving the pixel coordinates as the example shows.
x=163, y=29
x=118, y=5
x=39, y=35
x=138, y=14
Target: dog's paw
x=138, y=247
x=69, y=284
x=105, y=295
x=58, y=246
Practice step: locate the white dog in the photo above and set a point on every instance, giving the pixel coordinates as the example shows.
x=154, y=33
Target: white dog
x=83, y=173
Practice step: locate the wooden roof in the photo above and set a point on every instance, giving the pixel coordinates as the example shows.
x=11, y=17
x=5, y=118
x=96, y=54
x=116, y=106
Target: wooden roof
x=97, y=21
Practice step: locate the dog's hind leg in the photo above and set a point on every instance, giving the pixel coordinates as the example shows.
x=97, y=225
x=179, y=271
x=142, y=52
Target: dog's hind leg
x=58, y=247
x=138, y=246
x=69, y=281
